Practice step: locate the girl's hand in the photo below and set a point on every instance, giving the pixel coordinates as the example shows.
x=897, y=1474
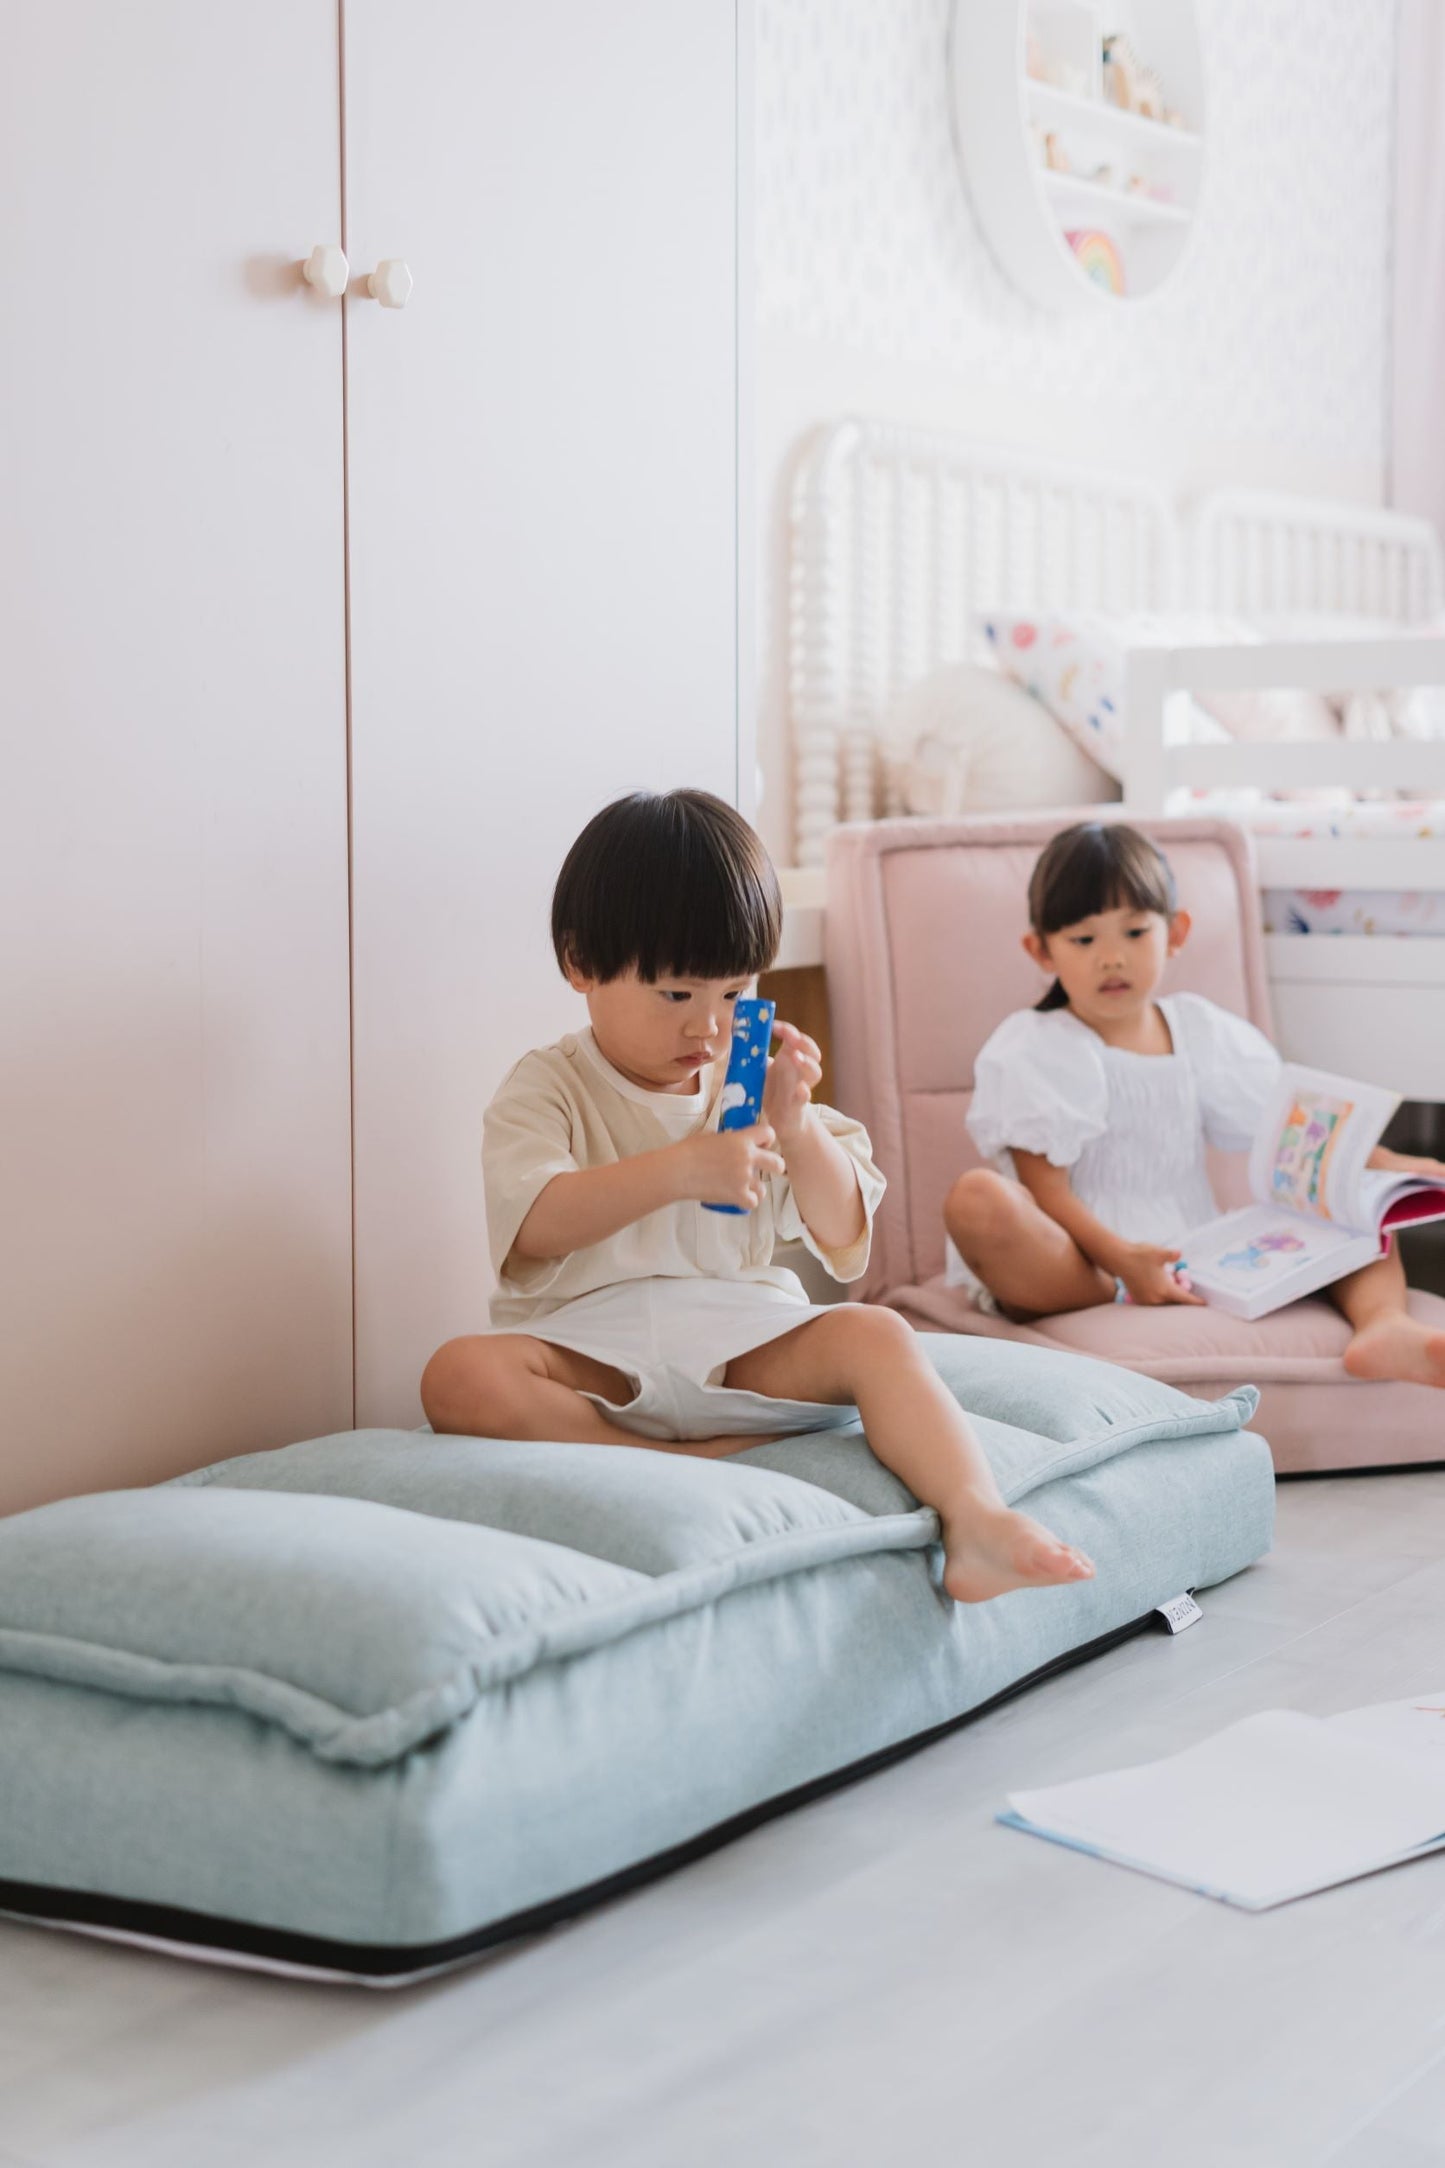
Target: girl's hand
x=1405, y=1163
x=1145, y=1271
x=729, y=1166
x=792, y=1073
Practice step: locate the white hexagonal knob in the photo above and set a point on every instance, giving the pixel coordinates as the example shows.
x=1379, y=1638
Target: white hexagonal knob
x=327, y=270
x=390, y=283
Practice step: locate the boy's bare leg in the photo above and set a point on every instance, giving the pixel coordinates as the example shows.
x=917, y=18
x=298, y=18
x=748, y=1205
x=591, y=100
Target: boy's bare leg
x=510, y=1385
x=1029, y=1264
x=916, y=1427
x=1388, y=1342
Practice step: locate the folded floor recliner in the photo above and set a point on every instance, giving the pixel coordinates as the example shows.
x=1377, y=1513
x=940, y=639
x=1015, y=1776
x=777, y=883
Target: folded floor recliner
x=371, y=1704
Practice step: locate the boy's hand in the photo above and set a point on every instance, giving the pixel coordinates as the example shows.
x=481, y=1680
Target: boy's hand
x=792, y=1073
x=729, y=1166
x=1146, y=1271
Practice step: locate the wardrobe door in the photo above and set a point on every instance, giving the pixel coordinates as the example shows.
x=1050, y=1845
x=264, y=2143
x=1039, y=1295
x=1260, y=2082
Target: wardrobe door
x=174, y=1195
x=543, y=474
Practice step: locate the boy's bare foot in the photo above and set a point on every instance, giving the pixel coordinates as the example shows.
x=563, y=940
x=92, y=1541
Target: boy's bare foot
x=990, y=1550
x=1396, y=1345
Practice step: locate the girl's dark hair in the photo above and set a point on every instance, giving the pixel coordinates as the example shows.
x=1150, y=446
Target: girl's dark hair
x=1096, y=866
x=669, y=883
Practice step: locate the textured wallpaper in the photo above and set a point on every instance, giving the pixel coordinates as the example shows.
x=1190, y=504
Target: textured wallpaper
x=1275, y=327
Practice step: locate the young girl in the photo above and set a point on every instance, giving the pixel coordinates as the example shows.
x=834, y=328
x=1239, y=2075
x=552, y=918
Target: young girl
x=1101, y=1100
x=625, y=1313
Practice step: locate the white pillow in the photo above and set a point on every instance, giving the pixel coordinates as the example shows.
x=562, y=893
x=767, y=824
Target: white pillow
x=1417, y=711
x=1273, y=714
x=1405, y=711
x=1074, y=664
x=967, y=740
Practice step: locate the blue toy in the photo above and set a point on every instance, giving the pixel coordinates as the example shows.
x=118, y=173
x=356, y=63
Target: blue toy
x=742, y=1099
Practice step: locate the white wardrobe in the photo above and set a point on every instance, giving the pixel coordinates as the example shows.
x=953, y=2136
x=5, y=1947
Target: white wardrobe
x=323, y=627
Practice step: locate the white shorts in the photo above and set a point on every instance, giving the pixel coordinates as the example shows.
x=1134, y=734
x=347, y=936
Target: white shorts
x=673, y=1339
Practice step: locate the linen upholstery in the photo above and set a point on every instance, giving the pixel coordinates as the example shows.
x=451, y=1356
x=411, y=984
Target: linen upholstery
x=366, y=1702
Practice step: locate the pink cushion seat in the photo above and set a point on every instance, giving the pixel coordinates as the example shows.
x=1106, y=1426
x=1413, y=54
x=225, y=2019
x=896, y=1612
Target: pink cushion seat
x=923, y=957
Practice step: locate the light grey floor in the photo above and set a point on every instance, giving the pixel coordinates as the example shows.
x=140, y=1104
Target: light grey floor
x=885, y=1976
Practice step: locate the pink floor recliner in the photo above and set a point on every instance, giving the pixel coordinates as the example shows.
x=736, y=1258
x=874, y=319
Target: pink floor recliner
x=923, y=960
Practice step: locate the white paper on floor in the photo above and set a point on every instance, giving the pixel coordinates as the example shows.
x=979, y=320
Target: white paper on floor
x=1272, y=1808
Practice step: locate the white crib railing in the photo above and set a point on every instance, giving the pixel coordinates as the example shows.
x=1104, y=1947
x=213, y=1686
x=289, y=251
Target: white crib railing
x=901, y=541
x=1158, y=679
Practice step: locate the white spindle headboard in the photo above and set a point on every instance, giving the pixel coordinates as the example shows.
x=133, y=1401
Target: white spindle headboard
x=1264, y=554
x=902, y=539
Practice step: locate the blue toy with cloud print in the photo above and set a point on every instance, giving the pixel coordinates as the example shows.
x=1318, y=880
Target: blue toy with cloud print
x=742, y=1098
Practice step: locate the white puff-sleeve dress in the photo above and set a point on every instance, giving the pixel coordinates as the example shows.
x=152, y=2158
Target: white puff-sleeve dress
x=1132, y=1129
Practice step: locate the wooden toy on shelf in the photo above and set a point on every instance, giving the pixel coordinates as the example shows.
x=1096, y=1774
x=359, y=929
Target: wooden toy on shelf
x=1064, y=125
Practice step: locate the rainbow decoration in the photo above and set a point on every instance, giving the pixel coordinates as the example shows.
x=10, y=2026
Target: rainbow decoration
x=1098, y=259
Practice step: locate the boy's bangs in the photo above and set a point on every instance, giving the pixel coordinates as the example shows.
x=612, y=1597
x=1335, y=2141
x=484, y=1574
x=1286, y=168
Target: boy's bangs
x=672, y=885
x=699, y=919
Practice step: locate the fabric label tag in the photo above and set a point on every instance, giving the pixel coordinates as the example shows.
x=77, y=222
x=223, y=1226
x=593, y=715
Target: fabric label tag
x=1179, y=1612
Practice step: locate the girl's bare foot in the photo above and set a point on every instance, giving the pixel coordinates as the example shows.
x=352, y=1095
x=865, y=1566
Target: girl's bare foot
x=990, y=1550
x=1395, y=1345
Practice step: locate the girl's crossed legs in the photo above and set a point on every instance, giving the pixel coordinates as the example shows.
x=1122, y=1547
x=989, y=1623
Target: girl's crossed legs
x=1030, y=1264
x=510, y=1385
x=1033, y=1268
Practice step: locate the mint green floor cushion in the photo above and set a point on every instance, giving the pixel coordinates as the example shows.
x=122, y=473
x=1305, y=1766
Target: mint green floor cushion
x=369, y=1704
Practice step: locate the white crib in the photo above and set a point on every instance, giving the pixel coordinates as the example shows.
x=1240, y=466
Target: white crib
x=903, y=540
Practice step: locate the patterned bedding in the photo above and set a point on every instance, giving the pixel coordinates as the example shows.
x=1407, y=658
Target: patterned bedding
x=1330, y=813
x=1353, y=910
x=1335, y=814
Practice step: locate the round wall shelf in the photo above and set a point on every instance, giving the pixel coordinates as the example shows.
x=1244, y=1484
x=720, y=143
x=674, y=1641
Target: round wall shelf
x=1083, y=200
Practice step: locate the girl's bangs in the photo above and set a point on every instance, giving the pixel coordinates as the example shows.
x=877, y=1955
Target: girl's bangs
x=1099, y=867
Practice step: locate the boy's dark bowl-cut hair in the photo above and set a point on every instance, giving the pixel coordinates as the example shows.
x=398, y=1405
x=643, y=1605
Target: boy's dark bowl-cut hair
x=1096, y=866
x=671, y=883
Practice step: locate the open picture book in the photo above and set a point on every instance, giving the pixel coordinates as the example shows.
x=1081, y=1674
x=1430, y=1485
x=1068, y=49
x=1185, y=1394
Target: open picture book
x=1320, y=1211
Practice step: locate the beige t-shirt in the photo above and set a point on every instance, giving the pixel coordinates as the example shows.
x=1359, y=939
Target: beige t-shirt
x=564, y=1108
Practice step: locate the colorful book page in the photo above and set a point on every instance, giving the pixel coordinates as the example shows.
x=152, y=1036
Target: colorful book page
x=1259, y=1250
x=1299, y=1176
